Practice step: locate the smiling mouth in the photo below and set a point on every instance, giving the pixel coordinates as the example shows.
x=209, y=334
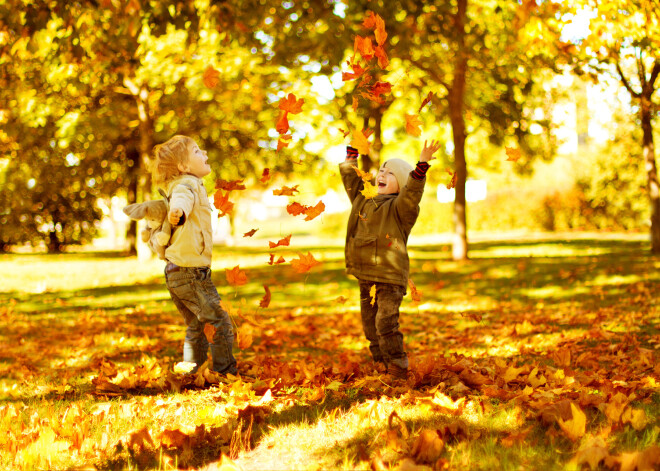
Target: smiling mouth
x=381, y=185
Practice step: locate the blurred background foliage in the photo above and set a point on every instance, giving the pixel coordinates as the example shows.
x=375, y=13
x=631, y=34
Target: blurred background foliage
x=87, y=88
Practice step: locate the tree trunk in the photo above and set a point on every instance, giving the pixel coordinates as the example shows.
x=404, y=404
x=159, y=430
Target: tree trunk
x=651, y=169
x=131, y=233
x=456, y=104
x=146, y=144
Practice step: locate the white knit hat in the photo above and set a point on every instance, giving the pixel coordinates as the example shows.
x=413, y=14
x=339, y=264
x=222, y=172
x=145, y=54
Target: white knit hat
x=401, y=170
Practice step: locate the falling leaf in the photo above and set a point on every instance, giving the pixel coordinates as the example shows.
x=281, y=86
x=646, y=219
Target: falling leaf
x=281, y=242
x=413, y=125
x=265, y=175
x=381, y=88
x=313, y=211
x=244, y=336
x=276, y=262
x=304, y=263
x=370, y=21
x=513, y=154
x=414, y=292
x=222, y=203
x=358, y=71
x=282, y=125
x=360, y=142
x=281, y=144
x=425, y=101
x=209, y=332
x=341, y=300
x=452, y=182
x=365, y=176
x=211, y=77
x=364, y=47
x=286, y=191
x=383, y=60
x=370, y=191
x=381, y=35
x=250, y=233
x=372, y=295
x=291, y=104
x=575, y=427
x=229, y=185
x=236, y=277
x=295, y=208
x=265, y=301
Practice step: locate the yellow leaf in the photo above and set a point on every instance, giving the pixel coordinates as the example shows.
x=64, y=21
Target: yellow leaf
x=372, y=295
x=592, y=452
x=413, y=124
x=360, y=142
x=370, y=191
x=575, y=427
x=636, y=418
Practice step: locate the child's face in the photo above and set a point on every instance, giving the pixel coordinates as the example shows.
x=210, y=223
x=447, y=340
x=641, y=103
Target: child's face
x=197, y=162
x=386, y=182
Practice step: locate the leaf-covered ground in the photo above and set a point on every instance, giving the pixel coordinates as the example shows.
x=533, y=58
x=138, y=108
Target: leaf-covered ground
x=535, y=354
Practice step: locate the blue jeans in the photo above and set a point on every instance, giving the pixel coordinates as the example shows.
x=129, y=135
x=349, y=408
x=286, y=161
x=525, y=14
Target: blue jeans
x=380, y=322
x=196, y=298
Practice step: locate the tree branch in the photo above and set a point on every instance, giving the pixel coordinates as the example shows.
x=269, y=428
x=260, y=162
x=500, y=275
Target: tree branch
x=625, y=81
x=654, y=73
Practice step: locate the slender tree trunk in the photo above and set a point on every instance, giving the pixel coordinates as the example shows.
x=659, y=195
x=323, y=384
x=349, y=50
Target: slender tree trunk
x=456, y=104
x=131, y=196
x=651, y=170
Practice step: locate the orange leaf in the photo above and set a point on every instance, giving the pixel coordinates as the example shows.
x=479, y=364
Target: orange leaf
x=381, y=88
x=281, y=242
x=575, y=427
x=265, y=175
x=272, y=258
x=265, y=301
x=364, y=47
x=513, y=154
x=282, y=125
x=294, y=209
x=211, y=77
x=383, y=60
x=222, y=203
x=281, y=144
x=425, y=101
x=312, y=211
x=369, y=191
x=365, y=176
x=414, y=292
x=291, y=104
x=286, y=191
x=244, y=336
x=381, y=35
x=452, y=182
x=413, y=124
x=370, y=21
x=236, y=277
x=305, y=263
x=209, y=332
x=360, y=142
x=427, y=447
x=358, y=71
x=250, y=233
x=229, y=185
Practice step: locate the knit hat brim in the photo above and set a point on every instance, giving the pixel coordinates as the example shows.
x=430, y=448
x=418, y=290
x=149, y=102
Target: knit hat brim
x=401, y=170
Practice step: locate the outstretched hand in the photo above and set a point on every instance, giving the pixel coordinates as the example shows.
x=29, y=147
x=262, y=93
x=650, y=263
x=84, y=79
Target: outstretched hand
x=174, y=216
x=428, y=151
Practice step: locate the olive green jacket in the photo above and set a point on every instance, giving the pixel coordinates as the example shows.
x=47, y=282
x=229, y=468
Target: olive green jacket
x=378, y=229
x=191, y=244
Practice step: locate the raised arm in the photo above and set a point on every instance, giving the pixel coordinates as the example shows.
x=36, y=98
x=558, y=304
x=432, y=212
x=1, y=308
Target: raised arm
x=349, y=177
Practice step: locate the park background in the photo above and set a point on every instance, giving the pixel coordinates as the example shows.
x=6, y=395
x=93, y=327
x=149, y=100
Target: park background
x=532, y=324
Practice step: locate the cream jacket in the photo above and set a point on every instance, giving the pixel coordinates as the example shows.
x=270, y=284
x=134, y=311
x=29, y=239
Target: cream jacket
x=191, y=244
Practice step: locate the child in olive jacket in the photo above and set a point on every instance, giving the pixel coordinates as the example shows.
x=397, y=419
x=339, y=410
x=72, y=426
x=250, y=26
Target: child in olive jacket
x=376, y=251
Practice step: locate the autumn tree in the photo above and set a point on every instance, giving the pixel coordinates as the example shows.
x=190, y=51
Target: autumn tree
x=624, y=41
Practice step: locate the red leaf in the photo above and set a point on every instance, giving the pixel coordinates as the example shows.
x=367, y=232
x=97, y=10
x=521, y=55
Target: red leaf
x=282, y=125
x=294, y=209
x=312, y=211
x=229, y=185
x=414, y=292
x=291, y=104
x=250, y=233
x=265, y=175
x=222, y=203
x=381, y=88
x=272, y=258
x=305, y=263
x=364, y=47
x=370, y=21
x=381, y=35
x=426, y=100
x=383, y=60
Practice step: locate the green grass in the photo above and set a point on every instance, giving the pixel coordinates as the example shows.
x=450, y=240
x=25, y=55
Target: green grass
x=69, y=319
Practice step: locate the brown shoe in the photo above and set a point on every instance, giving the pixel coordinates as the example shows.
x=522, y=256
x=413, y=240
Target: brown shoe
x=397, y=372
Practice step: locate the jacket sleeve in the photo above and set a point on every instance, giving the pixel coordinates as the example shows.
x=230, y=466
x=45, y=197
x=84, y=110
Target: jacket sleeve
x=351, y=180
x=407, y=202
x=183, y=198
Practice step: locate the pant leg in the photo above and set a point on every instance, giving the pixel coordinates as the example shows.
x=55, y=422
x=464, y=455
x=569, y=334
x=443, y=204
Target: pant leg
x=193, y=289
x=368, y=315
x=390, y=340
x=195, y=344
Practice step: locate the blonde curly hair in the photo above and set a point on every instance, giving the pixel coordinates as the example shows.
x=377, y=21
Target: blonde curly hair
x=167, y=157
